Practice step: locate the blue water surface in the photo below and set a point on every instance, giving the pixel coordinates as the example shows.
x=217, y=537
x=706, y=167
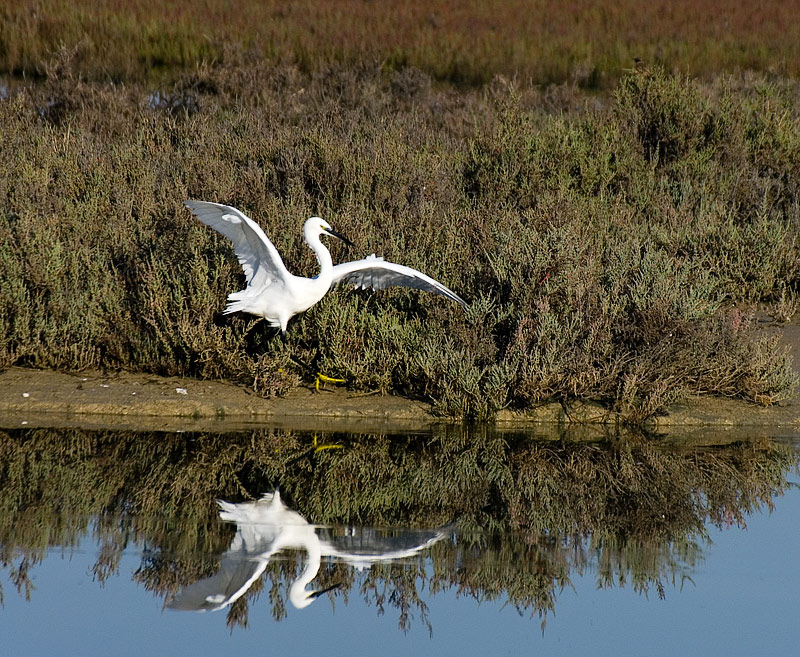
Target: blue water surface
x=742, y=599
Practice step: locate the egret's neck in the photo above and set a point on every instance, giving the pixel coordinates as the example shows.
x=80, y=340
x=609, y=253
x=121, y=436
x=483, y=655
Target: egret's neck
x=297, y=591
x=323, y=257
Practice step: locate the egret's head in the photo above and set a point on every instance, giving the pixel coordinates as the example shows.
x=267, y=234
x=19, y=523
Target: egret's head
x=317, y=226
x=301, y=598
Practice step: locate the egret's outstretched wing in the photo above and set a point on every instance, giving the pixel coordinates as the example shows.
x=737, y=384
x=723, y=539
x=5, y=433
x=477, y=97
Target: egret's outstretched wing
x=260, y=260
x=236, y=574
x=244, y=561
x=376, y=273
x=363, y=547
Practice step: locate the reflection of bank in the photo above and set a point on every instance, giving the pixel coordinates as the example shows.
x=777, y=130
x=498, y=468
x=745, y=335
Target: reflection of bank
x=266, y=527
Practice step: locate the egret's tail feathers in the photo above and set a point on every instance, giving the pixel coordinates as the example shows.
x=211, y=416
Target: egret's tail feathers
x=247, y=511
x=235, y=307
x=229, y=511
x=246, y=302
x=238, y=301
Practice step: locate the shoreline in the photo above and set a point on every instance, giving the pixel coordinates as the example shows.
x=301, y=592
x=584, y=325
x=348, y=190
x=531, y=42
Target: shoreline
x=39, y=398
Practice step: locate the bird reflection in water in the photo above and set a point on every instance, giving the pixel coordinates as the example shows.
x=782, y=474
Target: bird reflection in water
x=267, y=526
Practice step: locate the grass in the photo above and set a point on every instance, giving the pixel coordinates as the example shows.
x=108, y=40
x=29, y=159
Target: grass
x=467, y=43
x=613, y=246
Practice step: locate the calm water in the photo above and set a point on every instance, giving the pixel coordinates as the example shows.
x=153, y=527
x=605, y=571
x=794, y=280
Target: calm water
x=462, y=543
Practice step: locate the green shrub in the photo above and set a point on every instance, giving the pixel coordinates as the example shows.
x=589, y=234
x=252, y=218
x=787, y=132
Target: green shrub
x=602, y=249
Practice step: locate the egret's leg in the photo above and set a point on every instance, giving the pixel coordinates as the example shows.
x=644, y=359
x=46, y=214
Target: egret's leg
x=319, y=448
x=326, y=379
x=317, y=375
x=314, y=449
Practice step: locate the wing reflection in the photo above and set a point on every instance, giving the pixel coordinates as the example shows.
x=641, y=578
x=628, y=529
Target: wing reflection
x=361, y=547
x=267, y=526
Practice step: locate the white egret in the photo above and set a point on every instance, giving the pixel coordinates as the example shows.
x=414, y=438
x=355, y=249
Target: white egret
x=257, y=527
x=275, y=294
x=267, y=526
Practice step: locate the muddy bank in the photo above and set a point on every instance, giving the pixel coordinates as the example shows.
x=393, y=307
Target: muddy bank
x=141, y=401
x=145, y=402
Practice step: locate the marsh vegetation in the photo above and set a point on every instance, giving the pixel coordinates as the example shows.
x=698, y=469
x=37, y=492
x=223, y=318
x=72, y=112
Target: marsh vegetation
x=613, y=227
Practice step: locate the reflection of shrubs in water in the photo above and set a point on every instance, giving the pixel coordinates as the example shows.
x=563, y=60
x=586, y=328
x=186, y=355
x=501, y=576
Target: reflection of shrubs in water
x=528, y=513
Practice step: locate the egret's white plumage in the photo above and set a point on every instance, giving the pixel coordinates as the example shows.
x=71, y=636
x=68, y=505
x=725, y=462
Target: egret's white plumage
x=266, y=527
x=373, y=272
x=277, y=295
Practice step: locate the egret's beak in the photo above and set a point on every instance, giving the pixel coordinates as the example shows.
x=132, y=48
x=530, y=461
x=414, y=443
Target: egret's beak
x=333, y=233
x=315, y=594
